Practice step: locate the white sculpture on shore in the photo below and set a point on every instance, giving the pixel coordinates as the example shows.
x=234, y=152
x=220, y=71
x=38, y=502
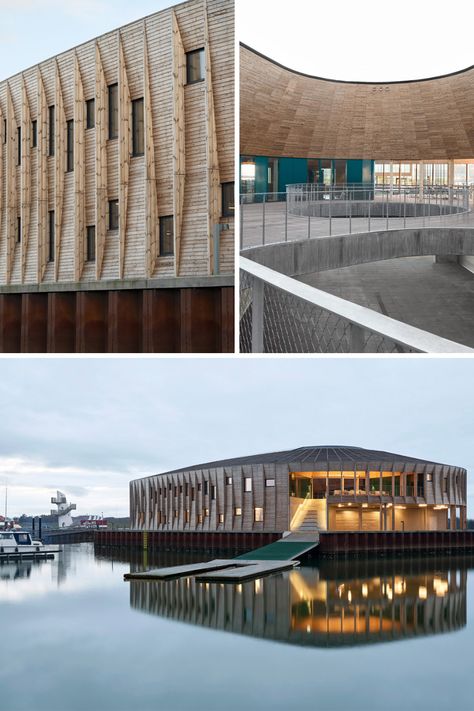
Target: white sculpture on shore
x=64, y=510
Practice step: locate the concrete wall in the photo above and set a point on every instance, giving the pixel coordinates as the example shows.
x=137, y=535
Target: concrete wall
x=297, y=258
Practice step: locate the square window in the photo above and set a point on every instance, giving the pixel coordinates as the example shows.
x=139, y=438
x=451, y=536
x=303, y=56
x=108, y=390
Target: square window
x=237, y=511
x=113, y=215
x=228, y=200
x=195, y=66
x=90, y=113
x=269, y=482
x=166, y=236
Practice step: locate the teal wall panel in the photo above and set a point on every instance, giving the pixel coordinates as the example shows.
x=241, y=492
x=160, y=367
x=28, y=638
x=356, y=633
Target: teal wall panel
x=261, y=174
x=290, y=171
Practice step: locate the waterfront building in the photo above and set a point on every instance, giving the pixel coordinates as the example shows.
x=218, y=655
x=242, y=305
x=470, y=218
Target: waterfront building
x=321, y=488
x=302, y=129
x=117, y=193
x=64, y=510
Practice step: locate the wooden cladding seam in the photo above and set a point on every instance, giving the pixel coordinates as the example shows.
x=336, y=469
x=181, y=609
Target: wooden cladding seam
x=151, y=196
x=79, y=173
x=100, y=160
x=179, y=149
x=125, y=107
x=59, y=170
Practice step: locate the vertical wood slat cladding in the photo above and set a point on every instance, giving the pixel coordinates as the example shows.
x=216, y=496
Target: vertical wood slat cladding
x=42, y=172
x=25, y=176
x=101, y=114
x=59, y=170
x=151, y=197
x=124, y=153
x=213, y=176
x=179, y=149
x=79, y=172
x=11, y=185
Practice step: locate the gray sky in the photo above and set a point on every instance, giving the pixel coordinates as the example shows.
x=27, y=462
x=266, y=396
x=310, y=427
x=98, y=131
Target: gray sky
x=34, y=30
x=366, y=40
x=88, y=426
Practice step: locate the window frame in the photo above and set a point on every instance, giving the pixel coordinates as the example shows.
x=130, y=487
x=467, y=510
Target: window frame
x=112, y=227
x=113, y=111
x=70, y=146
x=51, y=130
x=51, y=236
x=202, y=66
x=226, y=208
x=90, y=241
x=138, y=139
x=89, y=114
x=163, y=237
x=248, y=484
x=34, y=134
x=18, y=148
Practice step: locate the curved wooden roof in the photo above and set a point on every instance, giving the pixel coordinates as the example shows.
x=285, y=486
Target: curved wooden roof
x=286, y=113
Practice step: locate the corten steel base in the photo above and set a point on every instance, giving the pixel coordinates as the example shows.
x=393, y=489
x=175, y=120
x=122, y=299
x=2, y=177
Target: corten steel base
x=181, y=320
x=334, y=544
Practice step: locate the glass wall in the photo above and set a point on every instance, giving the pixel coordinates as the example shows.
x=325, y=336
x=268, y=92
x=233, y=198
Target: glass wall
x=435, y=174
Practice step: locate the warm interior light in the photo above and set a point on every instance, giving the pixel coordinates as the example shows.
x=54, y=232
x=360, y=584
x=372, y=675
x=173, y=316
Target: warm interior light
x=364, y=506
x=422, y=592
x=365, y=590
x=400, y=507
x=422, y=506
x=349, y=596
x=440, y=587
x=258, y=586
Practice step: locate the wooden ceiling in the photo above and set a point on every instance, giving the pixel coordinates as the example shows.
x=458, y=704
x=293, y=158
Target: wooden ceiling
x=285, y=113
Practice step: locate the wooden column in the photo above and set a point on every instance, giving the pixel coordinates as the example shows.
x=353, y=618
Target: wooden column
x=42, y=178
x=151, y=197
x=79, y=173
x=179, y=151
x=11, y=184
x=25, y=175
x=100, y=161
x=60, y=168
x=213, y=175
x=125, y=109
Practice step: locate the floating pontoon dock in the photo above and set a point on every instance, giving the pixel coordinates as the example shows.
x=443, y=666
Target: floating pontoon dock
x=269, y=559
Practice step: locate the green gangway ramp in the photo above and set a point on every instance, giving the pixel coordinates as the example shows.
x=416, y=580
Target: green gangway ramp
x=280, y=550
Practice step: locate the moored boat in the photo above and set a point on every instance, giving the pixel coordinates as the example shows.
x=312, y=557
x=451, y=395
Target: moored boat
x=20, y=545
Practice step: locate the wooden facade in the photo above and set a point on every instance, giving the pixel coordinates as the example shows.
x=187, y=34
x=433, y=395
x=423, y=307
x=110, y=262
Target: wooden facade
x=286, y=113
x=188, y=153
x=258, y=495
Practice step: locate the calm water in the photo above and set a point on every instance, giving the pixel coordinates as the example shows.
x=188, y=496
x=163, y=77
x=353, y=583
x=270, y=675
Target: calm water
x=360, y=635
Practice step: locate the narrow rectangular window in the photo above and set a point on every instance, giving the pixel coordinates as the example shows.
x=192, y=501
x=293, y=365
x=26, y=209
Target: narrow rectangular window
x=113, y=215
x=91, y=245
x=138, y=128
x=213, y=492
x=258, y=514
x=237, y=511
x=51, y=236
x=18, y=229
x=34, y=134
x=166, y=236
x=90, y=113
x=228, y=480
x=269, y=482
x=199, y=518
x=113, y=111
x=221, y=518
x=228, y=200
x=195, y=69
x=206, y=513
x=51, y=114
x=70, y=146
x=206, y=488
x=18, y=135
x=4, y=130
x=247, y=484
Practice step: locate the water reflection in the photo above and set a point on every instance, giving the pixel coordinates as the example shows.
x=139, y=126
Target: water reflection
x=332, y=605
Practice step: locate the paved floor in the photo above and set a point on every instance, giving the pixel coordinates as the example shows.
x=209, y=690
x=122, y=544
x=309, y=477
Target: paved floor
x=435, y=297
x=280, y=227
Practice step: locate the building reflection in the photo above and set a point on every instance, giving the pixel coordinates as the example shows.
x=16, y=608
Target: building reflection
x=330, y=606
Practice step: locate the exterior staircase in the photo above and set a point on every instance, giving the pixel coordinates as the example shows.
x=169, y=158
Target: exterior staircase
x=311, y=516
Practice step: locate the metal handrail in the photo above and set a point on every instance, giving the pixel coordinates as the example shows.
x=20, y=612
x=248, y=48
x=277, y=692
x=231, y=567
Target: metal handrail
x=359, y=316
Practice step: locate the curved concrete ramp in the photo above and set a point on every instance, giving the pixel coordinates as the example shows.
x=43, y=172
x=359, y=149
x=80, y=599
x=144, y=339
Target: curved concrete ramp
x=301, y=257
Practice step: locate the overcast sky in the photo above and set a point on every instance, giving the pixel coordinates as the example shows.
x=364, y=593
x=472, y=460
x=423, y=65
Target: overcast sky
x=89, y=426
x=34, y=30
x=364, y=40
